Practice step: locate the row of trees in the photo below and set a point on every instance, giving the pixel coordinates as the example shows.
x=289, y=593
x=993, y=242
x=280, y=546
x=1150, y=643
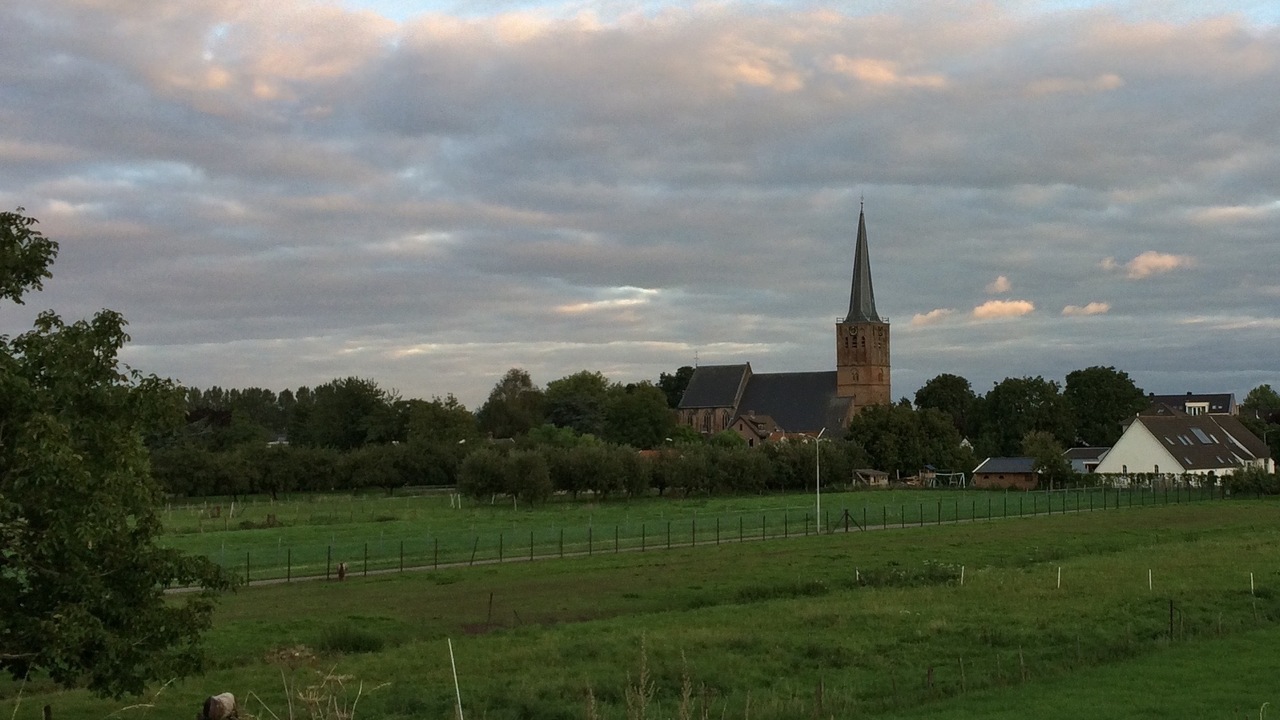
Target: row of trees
x=533, y=473
x=349, y=424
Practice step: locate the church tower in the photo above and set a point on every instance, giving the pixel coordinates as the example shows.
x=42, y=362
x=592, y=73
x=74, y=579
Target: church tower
x=862, y=338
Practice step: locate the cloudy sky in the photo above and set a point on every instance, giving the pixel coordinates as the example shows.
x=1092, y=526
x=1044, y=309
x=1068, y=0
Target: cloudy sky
x=426, y=194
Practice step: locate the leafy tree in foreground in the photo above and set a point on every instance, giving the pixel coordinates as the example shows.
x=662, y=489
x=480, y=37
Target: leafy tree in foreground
x=81, y=577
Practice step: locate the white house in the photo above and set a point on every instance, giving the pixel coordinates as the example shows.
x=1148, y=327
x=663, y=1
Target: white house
x=1184, y=444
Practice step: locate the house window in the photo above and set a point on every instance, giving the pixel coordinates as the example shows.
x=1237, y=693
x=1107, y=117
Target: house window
x=1156, y=469
x=1124, y=468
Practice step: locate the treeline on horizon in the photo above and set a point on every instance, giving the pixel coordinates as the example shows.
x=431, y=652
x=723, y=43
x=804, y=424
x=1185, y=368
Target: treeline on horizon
x=581, y=433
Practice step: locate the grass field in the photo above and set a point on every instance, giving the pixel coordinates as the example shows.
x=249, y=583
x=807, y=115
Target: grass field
x=940, y=621
x=264, y=540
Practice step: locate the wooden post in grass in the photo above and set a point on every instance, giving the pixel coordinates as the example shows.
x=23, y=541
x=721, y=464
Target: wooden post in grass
x=328, y=562
x=500, y=548
x=474, y=546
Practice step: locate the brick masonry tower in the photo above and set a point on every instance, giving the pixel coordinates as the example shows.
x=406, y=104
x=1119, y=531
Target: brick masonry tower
x=862, y=338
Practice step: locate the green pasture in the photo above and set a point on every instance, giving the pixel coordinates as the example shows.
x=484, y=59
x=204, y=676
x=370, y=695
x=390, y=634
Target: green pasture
x=311, y=535
x=1170, y=612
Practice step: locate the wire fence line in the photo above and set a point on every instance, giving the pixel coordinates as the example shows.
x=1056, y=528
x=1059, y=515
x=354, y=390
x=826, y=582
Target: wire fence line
x=265, y=562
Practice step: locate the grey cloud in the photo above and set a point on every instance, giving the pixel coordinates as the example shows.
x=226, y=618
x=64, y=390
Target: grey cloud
x=276, y=198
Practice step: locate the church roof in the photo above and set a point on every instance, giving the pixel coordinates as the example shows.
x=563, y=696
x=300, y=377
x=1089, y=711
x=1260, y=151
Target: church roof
x=800, y=402
x=715, y=386
x=862, y=298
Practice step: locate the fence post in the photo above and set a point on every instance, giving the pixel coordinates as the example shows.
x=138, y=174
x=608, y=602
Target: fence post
x=500, y=548
x=474, y=547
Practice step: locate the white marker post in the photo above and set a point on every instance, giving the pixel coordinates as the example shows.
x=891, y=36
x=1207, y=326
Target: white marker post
x=457, y=691
x=1059, y=577
x=1149, y=585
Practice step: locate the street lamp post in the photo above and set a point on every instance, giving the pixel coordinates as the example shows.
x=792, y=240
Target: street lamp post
x=817, y=475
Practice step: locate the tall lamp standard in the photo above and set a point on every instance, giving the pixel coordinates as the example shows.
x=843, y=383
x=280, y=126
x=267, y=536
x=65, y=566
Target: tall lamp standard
x=817, y=475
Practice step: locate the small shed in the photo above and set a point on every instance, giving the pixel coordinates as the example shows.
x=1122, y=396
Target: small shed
x=871, y=478
x=1007, y=472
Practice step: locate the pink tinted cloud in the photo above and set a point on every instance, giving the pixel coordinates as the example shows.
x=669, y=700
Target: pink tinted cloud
x=932, y=317
x=996, y=309
x=1149, y=263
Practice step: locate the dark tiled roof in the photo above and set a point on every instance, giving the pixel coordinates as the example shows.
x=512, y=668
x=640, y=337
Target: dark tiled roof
x=1006, y=465
x=1219, y=403
x=761, y=425
x=715, y=386
x=803, y=402
x=1205, y=442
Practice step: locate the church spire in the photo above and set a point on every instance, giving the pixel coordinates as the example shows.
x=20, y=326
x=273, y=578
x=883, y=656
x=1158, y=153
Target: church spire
x=862, y=300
